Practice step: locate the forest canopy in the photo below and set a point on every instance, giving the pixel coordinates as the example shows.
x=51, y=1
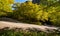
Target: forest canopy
x=45, y=12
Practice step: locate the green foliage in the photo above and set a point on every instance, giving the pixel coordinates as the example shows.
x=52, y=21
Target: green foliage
x=55, y=18
x=47, y=11
x=33, y=12
x=53, y=8
x=16, y=32
x=30, y=11
x=54, y=14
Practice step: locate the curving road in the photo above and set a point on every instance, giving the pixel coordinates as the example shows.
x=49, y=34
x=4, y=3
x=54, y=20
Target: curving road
x=4, y=24
x=7, y=22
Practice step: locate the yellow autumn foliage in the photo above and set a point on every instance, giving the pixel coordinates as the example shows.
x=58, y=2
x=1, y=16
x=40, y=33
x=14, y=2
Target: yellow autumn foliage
x=5, y=6
x=30, y=10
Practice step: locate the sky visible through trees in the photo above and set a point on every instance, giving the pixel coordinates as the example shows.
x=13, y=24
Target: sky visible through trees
x=20, y=1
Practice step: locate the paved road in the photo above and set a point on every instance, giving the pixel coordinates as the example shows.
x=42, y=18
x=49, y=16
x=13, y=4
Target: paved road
x=24, y=26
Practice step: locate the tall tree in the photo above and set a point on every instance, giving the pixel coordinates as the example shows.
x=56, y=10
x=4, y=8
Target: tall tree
x=28, y=10
x=5, y=6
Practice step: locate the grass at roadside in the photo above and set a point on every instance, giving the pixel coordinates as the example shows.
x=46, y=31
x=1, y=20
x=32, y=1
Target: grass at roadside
x=20, y=32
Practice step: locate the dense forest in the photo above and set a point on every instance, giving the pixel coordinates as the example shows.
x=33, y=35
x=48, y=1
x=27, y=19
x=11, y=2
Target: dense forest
x=45, y=12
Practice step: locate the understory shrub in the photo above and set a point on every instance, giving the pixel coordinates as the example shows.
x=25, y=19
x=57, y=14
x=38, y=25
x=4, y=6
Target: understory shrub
x=20, y=32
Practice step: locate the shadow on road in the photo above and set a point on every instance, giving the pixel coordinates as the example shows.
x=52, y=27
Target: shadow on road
x=9, y=20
